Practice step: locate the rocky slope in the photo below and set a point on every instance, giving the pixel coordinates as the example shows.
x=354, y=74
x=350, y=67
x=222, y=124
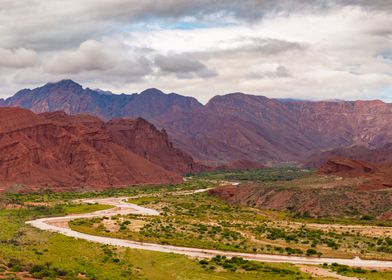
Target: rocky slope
x=378, y=176
x=311, y=202
x=229, y=127
x=362, y=153
x=342, y=188
x=55, y=150
x=348, y=167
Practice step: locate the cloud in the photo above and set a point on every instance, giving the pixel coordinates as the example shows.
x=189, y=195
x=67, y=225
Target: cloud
x=48, y=25
x=288, y=48
x=279, y=72
x=183, y=66
x=17, y=58
x=269, y=46
x=92, y=56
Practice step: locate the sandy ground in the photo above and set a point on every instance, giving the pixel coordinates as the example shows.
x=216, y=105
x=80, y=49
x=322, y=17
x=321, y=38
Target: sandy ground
x=121, y=207
x=371, y=231
x=322, y=272
x=16, y=275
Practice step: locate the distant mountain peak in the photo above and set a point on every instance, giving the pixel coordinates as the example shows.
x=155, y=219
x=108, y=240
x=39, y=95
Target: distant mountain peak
x=67, y=83
x=102, y=92
x=235, y=98
x=20, y=93
x=152, y=91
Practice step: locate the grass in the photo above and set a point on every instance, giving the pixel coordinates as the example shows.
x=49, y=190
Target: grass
x=48, y=196
x=196, y=220
x=363, y=221
x=203, y=221
x=359, y=272
x=84, y=208
x=49, y=255
x=261, y=175
x=143, y=200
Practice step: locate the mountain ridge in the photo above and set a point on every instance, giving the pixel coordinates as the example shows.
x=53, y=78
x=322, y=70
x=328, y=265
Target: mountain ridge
x=228, y=127
x=57, y=151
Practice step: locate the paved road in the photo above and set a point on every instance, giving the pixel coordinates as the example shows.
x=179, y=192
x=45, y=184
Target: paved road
x=60, y=225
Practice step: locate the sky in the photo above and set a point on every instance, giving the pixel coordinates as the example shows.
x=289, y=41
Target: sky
x=303, y=49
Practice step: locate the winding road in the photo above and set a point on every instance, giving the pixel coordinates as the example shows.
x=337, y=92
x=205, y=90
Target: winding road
x=121, y=207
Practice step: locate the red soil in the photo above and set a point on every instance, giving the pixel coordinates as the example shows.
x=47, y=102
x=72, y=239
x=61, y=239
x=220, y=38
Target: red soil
x=379, y=175
x=57, y=151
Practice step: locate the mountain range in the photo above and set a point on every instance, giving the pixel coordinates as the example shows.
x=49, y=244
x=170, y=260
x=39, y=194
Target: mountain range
x=62, y=152
x=381, y=155
x=229, y=127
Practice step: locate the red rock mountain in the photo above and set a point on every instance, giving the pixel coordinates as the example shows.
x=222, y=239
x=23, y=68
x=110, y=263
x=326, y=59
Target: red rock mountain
x=378, y=176
x=348, y=167
x=359, y=153
x=55, y=150
x=229, y=127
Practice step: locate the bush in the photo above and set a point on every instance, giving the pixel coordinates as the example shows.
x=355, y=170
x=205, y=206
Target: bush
x=310, y=252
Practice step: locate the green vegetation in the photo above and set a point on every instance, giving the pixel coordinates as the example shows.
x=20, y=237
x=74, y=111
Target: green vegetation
x=50, y=196
x=203, y=221
x=197, y=220
x=341, y=221
x=260, y=175
x=53, y=256
x=239, y=264
x=84, y=208
x=359, y=272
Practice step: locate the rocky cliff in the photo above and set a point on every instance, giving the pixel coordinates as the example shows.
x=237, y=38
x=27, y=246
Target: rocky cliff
x=58, y=151
x=229, y=127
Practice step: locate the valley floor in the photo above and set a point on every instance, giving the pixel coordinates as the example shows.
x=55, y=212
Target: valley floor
x=60, y=225
x=182, y=232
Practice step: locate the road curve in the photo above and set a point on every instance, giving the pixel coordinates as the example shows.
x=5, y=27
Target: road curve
x=121, y=207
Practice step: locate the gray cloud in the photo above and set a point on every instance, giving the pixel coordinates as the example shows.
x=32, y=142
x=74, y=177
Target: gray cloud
x=129, y=45
x=89, y=57
x=382, y=5
x=92, y=56
x=267, y=46
x=183, y=66
x=17, y=58
x=46, y=25
x=279, y=72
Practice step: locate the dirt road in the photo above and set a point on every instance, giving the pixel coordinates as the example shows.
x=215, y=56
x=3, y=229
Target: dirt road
x=121, y=207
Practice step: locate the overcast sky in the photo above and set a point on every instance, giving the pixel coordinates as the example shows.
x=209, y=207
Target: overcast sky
x=292, y=49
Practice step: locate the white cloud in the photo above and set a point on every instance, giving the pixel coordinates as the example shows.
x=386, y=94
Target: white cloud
x=299, y=49
x=95, y=60
x=17, y=58
x=90, y=56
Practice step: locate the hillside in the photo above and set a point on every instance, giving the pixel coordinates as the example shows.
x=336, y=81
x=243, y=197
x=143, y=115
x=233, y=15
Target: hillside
x=229, y=127
x=377, y=176
x=58, y=151
x=362, y=153
x=336, y=202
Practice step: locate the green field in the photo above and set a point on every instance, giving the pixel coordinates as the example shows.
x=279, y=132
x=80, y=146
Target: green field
x=50, y=256
x=280, y=174
x=198, y=220
x=204, y=221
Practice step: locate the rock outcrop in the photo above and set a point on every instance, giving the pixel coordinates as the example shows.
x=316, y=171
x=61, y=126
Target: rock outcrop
x=348, y=167
x=229, y=127
x=58, y=151
x=361, y=153
x=378, y=176
x=311, y=202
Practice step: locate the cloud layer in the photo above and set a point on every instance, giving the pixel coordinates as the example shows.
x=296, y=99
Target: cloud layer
x=299, y=49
